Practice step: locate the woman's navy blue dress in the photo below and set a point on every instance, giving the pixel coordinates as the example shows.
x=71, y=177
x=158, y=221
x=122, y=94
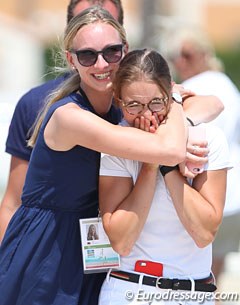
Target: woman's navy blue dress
x=40, y=255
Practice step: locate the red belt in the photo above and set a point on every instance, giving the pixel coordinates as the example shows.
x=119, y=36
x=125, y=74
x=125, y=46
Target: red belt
x=206, y=284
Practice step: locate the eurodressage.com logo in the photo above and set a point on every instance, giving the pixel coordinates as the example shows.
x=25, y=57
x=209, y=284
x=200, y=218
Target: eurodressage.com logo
x=200, y=297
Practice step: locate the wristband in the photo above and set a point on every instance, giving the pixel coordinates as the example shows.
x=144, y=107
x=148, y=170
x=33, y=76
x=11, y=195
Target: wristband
x=190, y=121
x=167, y=169
x=177, y=98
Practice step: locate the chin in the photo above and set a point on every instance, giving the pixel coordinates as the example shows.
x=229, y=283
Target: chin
x=109, y=86
x=104, y=88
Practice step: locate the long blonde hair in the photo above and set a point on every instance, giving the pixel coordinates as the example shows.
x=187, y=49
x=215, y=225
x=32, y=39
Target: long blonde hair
x=72, y=83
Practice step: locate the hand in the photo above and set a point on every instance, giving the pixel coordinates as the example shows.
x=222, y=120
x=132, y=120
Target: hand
x=149, y=125
x=196, y=155
x=182, y=91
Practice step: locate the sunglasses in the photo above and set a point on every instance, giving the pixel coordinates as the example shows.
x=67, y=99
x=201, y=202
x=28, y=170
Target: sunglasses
x=155, y=105
x=88, y=57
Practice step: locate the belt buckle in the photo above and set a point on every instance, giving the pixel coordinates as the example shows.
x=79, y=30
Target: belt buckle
x=158, y=282
x=173, y=283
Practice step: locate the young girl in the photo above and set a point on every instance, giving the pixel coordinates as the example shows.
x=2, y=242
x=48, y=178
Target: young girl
x=160, y=223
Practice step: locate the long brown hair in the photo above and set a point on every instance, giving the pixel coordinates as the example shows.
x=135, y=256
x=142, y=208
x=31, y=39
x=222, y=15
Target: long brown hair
x=143, y=64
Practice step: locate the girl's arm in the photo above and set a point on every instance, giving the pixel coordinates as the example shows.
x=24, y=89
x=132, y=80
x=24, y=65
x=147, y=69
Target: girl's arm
x=125, y=208
x=70, y=126
x=200, y=207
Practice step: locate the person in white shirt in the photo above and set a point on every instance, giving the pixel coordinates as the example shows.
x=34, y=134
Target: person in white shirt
x=199, y=69
x=161, y=223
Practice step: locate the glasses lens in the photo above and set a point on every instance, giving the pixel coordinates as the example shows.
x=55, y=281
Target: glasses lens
x=133, y=108
x=113, y=54
x=157, y=105
x=87, y=58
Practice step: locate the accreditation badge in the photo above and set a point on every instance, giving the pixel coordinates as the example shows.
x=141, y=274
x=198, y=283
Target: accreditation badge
x=98, y=254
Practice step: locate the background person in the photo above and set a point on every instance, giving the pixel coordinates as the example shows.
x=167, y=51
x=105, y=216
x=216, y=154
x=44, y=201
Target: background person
x=199, y=69
x=162, y=225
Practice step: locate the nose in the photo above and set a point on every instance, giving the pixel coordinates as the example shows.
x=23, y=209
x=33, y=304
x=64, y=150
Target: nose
x=101, y=62
x=146, y=112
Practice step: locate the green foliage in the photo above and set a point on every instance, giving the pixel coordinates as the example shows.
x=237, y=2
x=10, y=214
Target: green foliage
x=231, y=61
x=51, y=56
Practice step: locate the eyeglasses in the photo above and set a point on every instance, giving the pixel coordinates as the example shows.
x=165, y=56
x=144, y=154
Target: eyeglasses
x=155, y=105
x=88, y=57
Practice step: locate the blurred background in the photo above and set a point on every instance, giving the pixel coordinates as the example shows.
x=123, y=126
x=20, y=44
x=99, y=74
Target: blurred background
x=30, y=32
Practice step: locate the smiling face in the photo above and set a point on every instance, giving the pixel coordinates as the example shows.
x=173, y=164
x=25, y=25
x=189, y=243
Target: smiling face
x=96, y=36
x=142, y=86
x=142, y=92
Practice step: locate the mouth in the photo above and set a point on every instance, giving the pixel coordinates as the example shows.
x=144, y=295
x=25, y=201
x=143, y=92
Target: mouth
x=102, y=76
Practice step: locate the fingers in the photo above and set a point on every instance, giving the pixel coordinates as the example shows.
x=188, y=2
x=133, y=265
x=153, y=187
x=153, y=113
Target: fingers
x=196, y=158
x=199, y=160
x=194, y=164
x=161, y=118
x=155, y=121
x=200, y=150
x=186, y=172
x=144, y=124
x=182, y=91
x=177, y=88
x=187, y=92
x=149, y=125
x=137, y=123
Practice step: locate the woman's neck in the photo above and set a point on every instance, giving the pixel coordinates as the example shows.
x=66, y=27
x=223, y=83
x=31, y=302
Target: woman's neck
x=101, y=101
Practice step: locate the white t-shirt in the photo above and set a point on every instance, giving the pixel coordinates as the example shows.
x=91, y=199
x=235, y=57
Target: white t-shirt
x=163, y=238
x=220, y=85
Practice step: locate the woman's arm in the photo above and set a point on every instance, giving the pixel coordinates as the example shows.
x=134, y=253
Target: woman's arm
x=202, y=108
x=200, y=207
x=199, y=108
x=125, y=208
x=70, y=126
